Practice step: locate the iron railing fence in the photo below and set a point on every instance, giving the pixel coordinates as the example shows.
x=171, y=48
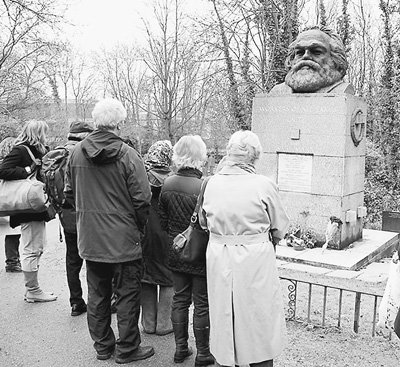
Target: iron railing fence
x=338, y=309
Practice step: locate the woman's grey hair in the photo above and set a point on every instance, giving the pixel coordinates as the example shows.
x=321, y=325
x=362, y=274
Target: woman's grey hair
x=34, y=133
x=108, y=113
x=244, y=147
x=190, y=151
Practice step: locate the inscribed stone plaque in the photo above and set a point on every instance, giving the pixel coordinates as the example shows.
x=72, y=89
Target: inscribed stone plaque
x=294, y=172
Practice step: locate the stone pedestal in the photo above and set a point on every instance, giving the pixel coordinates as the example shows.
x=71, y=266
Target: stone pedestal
x=314, y=148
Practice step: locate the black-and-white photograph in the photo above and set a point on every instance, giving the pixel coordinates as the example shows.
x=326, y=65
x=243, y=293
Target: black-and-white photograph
x=199, y=183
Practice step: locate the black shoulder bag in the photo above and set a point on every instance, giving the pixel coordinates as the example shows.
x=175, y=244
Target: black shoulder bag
x=191, y=244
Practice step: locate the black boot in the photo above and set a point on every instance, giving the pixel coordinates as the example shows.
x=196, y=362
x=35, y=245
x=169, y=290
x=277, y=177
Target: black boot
x=203, y=356
x=181, y=341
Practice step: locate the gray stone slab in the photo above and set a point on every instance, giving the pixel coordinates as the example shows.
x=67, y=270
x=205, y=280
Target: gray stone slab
x=305, y=268
x=374, y=246
x=345, y=274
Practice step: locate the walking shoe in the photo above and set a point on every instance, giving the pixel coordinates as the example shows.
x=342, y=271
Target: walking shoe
x=39, y=296
x=104, y=355
x=13, y=268
x=78, y=309
x=137, y=355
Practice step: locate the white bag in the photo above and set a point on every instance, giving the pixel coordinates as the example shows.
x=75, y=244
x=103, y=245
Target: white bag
x=22, y=196
x=390, y=302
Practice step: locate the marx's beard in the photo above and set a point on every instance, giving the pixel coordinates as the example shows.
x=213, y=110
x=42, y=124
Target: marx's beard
x=308, y=76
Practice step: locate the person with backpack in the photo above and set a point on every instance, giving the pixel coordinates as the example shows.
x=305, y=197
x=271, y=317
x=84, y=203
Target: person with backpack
x=53, y=171
x=19, y=164
x=12, y=235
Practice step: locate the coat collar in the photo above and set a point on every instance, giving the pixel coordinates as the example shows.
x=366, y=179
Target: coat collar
x=189, y=172
x=232, y=170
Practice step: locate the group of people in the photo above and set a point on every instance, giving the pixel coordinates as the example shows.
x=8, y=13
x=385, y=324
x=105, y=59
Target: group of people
x=121, y=214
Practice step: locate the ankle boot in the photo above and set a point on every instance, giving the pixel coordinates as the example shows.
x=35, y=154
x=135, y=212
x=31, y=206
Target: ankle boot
x=33, y=292
x=164, y=324
x=203, y=356
x=269, y=363
x=149, y=307
x=181, y=341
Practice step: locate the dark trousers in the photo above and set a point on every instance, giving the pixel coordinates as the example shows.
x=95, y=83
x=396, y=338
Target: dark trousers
x=11, y=245
x=127, y=287
x=74, y=265
x=188, y=287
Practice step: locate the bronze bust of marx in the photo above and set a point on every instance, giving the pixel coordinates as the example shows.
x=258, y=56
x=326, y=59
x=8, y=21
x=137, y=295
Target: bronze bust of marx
x=317, y=64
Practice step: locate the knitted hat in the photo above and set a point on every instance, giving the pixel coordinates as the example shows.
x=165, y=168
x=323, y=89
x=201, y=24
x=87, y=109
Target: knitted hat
x=77, y=127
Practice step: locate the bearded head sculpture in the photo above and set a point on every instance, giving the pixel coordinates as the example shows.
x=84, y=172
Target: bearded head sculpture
x=316, y=61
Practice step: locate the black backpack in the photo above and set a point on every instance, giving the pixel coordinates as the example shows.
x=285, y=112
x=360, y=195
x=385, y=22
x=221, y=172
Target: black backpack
x=53, y=168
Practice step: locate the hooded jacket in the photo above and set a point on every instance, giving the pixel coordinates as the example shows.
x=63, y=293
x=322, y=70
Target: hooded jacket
x=107, y=182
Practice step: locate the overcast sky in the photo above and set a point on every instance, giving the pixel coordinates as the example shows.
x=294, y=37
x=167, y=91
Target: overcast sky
x=107, y=22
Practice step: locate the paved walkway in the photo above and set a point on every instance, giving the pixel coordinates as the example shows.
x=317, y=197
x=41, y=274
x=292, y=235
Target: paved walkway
x=45, y=334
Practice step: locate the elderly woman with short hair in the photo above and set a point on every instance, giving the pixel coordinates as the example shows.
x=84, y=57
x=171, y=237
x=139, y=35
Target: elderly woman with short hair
x=242, y=210
x=177, y=202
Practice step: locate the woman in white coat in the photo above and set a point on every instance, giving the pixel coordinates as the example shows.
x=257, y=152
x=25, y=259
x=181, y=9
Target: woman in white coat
x=245, y=217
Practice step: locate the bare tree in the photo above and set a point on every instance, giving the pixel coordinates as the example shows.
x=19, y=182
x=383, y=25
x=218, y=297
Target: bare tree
x=252, y=37
x=83, y=84
x=126, y=79
x=177, y=69
x=22, y=45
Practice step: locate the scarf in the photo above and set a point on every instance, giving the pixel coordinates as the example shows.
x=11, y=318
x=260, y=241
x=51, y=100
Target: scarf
x=227, y=162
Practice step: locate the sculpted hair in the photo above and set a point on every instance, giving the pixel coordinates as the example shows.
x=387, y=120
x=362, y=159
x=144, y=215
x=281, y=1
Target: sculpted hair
x=108, y=113
x=244, y=147
x=338, y=51
x=190, y=151
x=34, y=133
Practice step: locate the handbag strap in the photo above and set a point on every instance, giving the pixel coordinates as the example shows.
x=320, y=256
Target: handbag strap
x=30, y=152
x=193, y=219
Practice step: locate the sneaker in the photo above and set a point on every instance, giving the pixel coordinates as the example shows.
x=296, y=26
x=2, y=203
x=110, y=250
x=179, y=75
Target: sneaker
x=78, y=309
x=13, y=268
x=137, y=355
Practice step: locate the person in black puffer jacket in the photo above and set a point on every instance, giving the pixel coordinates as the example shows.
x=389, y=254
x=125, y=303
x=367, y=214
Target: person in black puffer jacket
x=17, y=165
x=177, y=202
